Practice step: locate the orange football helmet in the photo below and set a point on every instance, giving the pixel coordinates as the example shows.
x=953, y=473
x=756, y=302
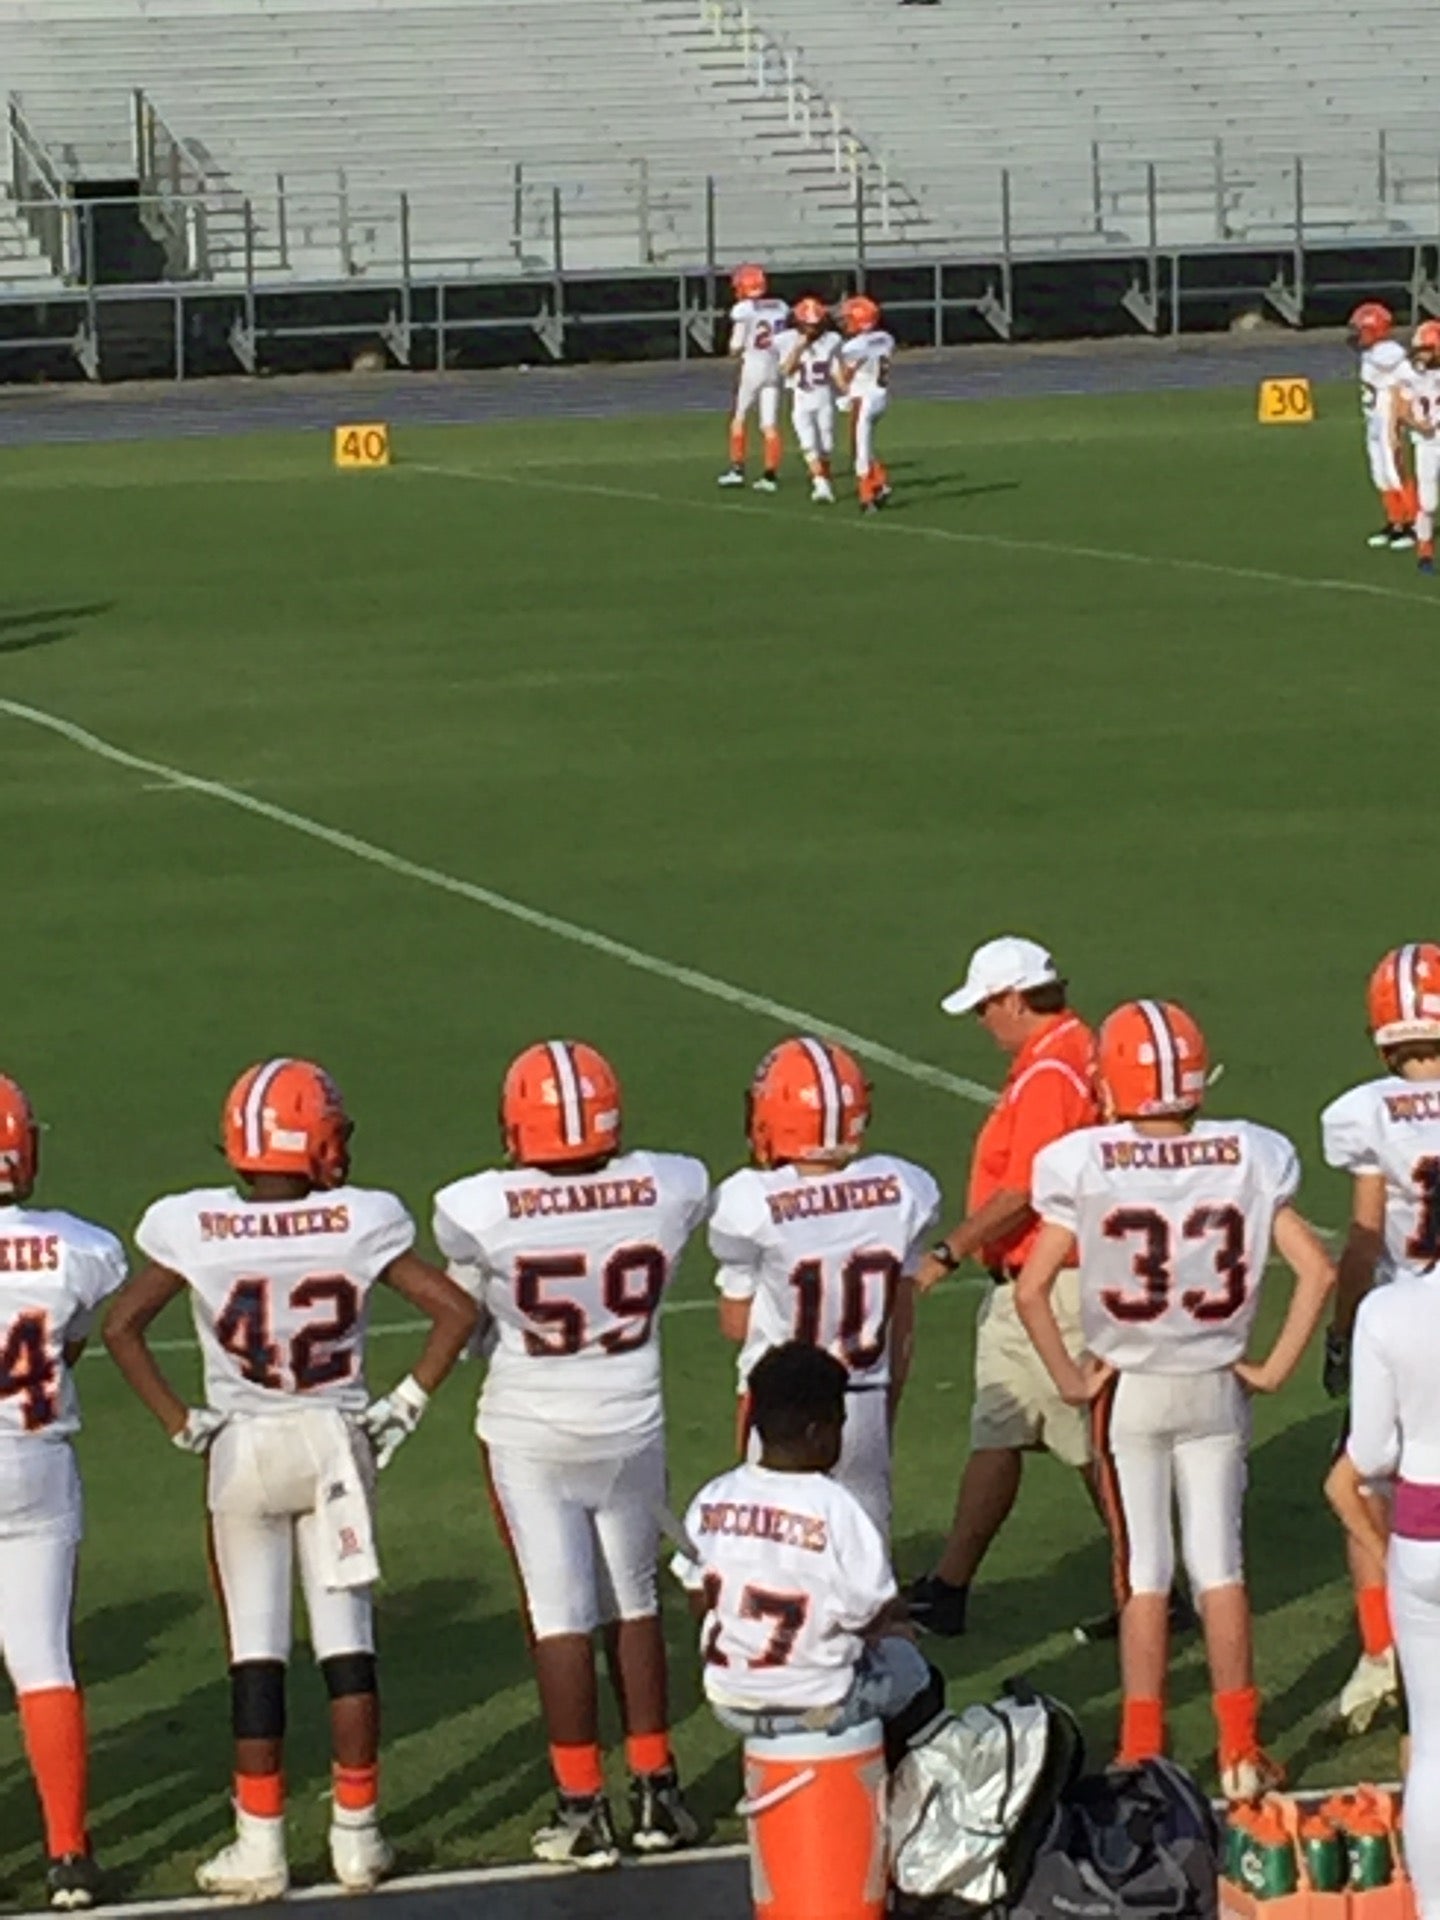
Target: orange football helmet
x=1371, y=321
x=287, y=1116
x=19, y=1140
x=810, y=312
x=859, y=313
x=749, y=282
x=809, y=1100
x=1153, y=1061
x=560, y=1103
x=1425, y=343
x=1404, y=995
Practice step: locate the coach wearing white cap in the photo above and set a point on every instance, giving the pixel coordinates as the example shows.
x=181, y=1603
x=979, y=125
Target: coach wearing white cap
x=1015, y=991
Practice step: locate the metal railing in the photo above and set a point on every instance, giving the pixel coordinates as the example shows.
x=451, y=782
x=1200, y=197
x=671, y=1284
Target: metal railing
x=42, y=194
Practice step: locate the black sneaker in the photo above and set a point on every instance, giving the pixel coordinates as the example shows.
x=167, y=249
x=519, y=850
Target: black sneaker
x=581, y=1834
x=660, y=1821
x=1401, y=539
x=73, y=1882
x=1183, y=1619
x=1382, y=536
x=937, y=1607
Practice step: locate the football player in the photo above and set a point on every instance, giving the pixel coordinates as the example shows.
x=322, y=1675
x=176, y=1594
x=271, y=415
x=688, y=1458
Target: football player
x=1385, y=1134
x=756, y=321
x=570, y=1247
x=808, y=352
x=816, y=1242
x=1383, y=365
x=1172, y=1218
x=864, y=375
x=54, y=1272
x=1418, y=408
x=279, y=1269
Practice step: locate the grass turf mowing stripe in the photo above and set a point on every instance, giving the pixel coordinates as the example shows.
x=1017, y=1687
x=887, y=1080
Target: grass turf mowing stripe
x=708, y=984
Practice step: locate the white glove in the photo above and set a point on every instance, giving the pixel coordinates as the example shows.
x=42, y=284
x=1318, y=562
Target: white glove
x=391, y=1420
x=199, y=1431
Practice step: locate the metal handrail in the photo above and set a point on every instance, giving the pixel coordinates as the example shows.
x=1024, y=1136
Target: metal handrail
x=41, y=193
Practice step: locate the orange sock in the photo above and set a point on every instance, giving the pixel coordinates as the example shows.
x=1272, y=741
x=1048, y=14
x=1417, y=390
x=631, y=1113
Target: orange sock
x=737, y=443
x=577, y=1769
x=1142, y=1730
x=1237, y=1718
x=867, y=485
x=1394, y=498
x=260, y=1794
x=648, y=1752
x=772, y=451
x=53, y=1723
x=882, y=477
x=1372, y=1610
x=356, y=1789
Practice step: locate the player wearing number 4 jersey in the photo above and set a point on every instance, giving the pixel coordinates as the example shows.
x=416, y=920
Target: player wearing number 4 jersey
x=54, y=1272
x=1385, y=1134
x=817, y=1245
x=570, y=1250
x=1172, y=1219
x=280, y=1269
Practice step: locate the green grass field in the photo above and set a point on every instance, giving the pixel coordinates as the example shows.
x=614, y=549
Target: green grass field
x=1118, y=672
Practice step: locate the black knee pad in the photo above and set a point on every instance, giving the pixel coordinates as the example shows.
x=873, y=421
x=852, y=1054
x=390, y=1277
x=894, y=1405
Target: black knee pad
x=347, y=1673
x=915, y=1719
x=257, y=1700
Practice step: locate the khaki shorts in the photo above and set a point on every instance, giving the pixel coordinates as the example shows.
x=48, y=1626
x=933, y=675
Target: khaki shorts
x=1016, y=1404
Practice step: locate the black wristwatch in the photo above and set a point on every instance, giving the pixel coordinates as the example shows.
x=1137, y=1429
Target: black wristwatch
x=941, y=1252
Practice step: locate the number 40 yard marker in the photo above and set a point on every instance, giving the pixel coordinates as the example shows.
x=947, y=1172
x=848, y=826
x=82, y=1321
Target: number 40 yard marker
x=362, y=446
x=1286, y=403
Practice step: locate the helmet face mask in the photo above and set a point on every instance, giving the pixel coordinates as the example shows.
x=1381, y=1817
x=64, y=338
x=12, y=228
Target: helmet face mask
x=1369, y=323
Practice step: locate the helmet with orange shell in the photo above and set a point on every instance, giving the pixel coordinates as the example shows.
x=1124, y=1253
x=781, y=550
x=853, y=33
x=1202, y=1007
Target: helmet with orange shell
x=560, y=1104
x=19, y=1141
x=1371, y=321
x=749, y=282
x=286, y=1116
x=1153, y=1061
x=809, y=1100
x=811, y=314
x=1425, y=344
x=1404, y=996
x=859, y=314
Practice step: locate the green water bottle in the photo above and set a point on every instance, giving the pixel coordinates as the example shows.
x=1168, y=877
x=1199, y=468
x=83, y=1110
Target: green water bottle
x=1372, y=1856
x=1323, y=1852
x=1267, y=1862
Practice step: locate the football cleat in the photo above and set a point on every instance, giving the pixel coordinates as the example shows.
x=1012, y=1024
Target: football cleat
x=73, y=1882
x=1249, y=1776
x=1401, y=540
x=1372, y=1688
x=735, y=477
x=253, y=1867
x=1426, y=563
x=360, y=1855
x=1106, y=1626
x=822, y=490
x=1382, y=536
x=869, y=506
x=936, y=1606
x=581, y=1834
x=660, y=1821
x=767, y=483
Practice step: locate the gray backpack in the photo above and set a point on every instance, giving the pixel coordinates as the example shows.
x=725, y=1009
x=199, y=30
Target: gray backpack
x=1133, y=1843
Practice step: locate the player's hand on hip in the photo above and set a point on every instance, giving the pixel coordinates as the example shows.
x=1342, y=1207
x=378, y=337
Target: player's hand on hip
x=1092, y=1376
x=390, y=1420
x=201, y=1426
x=1335, y=1372
x=1255, y=1376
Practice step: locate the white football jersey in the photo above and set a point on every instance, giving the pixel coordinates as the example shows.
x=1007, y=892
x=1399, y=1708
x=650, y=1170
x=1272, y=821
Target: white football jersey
x=869, y=355
x=1391, y=1126
x=54, y=1272
x=814, y=370
x=572, y=1269
x=819, y=1256
x=1421, y=388
x=793, y=1571
x=280, y=1289
x=755, y=325
x=1173, y=1236
x=1382, y=367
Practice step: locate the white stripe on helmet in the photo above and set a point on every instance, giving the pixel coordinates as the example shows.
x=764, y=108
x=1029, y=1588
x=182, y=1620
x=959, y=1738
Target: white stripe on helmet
x=1166, y=1057
x=254, y=1115
x=1407, y=979
x=831, y=1105
x=567, y=1079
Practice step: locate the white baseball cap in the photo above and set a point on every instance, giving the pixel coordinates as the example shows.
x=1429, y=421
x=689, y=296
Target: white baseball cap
x=1009, y=964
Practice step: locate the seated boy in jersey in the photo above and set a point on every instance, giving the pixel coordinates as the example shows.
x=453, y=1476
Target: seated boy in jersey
x=803, y=1627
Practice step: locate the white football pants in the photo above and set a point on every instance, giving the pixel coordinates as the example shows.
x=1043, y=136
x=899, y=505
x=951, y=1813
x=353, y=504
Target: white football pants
x=759, y=386
x=813, y=417
x=1385, y=472
x=1415, y=1609
x=584, y=1534
x=1427, y=479
x=867, y=410
x=40, y=1523
x=265, y=1487
x=1167, y=1439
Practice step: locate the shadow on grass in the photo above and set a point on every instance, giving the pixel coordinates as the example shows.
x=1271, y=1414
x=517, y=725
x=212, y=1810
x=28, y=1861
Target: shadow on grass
x=46, y=626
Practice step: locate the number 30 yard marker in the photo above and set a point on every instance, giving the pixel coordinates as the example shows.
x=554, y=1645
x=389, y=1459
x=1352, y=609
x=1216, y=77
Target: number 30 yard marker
x=1286, y=403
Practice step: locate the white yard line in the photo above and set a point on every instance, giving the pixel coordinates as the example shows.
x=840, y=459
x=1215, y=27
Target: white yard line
x=1006, y=543
x=707, y=984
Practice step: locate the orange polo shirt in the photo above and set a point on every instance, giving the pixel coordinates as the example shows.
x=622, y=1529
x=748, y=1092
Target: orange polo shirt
x=1050, y=1090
